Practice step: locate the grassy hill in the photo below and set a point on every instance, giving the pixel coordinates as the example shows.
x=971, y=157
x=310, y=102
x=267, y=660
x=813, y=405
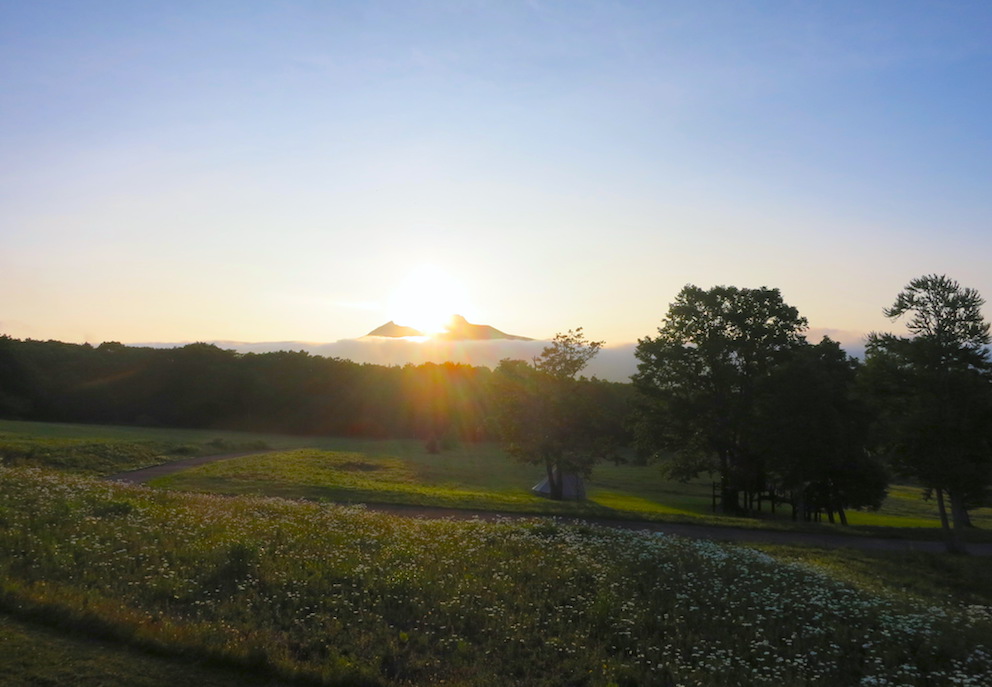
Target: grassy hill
x=118, y=584
x=341, y=595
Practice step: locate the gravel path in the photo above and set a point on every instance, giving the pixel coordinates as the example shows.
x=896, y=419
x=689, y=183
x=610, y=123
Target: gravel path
x=714, y=532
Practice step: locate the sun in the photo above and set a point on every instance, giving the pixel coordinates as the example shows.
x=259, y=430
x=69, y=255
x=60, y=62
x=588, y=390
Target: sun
x=426, y=299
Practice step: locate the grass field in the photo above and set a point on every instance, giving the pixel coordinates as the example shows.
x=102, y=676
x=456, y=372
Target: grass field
x=474, y=476
x=33, y=655
x=483, y=478
x=119, y=585
x=93, y=450
x=334, y=595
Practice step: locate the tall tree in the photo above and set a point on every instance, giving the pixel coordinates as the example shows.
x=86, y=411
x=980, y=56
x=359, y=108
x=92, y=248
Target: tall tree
x=935, y=392
x=568, y=354
x=698, y=380
x=812, y=431
x=545, y=415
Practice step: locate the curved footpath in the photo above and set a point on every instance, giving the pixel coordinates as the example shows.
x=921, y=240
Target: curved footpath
x=147, y=474
x=714, y=532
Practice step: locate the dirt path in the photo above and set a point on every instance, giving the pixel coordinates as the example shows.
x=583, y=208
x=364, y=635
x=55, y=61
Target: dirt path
x=714, y=532
x=147, y=474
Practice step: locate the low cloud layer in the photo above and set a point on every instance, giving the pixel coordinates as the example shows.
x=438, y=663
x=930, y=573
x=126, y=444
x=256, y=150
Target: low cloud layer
x=613, y=363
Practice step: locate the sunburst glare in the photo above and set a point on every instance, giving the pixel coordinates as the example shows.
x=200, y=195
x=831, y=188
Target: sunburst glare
x=427, y=298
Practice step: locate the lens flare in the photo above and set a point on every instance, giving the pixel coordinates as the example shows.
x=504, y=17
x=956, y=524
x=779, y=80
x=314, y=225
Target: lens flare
x=426, y=299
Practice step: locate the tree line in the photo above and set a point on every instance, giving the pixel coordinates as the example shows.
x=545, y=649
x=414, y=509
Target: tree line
x=731, y=387
x=203, y=386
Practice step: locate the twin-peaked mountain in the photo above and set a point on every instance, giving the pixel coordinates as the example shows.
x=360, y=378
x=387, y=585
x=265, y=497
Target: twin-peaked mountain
x=459, y=329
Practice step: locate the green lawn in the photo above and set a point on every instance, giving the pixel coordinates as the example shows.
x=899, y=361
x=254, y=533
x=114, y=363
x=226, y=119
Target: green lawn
x=905, y=507
x=474, y=476
x=482, y=477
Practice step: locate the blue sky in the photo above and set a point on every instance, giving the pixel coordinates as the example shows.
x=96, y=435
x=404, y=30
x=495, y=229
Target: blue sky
x=271, y=171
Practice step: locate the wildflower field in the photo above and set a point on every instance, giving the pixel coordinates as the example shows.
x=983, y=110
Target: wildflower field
x=342, y=596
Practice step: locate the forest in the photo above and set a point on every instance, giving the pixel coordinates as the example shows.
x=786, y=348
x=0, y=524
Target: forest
x=203, y=386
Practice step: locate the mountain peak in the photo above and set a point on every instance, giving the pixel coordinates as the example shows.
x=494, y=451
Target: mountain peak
x=459, y=329
x=393, y=330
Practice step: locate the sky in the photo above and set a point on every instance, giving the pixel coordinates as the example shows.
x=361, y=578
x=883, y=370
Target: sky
x=306, y=171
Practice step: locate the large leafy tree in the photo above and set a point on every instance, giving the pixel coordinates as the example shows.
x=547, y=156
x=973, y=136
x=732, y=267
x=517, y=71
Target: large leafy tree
x=698, y=381
x=547, y=416
x=934, y=389
x=812, y=431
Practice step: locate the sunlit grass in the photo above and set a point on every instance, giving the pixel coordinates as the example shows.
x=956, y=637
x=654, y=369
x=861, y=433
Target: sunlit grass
x=479, y=476
x=631, y=503
x=479, y=480
x=341, y=595
x=883, y=519
x=905, y=507
x=353, y=478
x=484, y=479
x=103, y=456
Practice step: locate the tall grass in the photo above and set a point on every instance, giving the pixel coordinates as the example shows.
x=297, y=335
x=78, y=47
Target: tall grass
x=340, y=595
x=36, y=656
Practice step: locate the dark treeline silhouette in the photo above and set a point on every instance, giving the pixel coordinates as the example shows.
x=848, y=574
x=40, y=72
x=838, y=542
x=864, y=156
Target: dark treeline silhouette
x=203, y=386
x=731, y=387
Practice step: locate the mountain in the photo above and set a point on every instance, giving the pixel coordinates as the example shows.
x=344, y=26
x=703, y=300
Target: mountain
x=393, y=330
x=459, y=329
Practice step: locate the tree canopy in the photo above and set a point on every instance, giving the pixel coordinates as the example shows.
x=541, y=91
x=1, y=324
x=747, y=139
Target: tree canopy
x=567, y=355
x=698, y=381
x=811, y=429
x=934, y=392
x=548, y=417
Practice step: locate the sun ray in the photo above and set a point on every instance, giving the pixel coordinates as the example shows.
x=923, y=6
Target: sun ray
x=426, y=299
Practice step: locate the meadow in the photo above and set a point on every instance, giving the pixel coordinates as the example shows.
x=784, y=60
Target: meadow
x=100, y=450
x=341, y=595
x=476, y=476
x=128, y=582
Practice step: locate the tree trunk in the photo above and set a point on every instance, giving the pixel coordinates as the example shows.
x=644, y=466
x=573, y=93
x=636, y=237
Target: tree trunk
x=554, y=480
x=799, y=504
x=960, y=515
x=843, y=515
x=950, y=536
x=943, y=511
x=728, y=496
x=729, y=501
